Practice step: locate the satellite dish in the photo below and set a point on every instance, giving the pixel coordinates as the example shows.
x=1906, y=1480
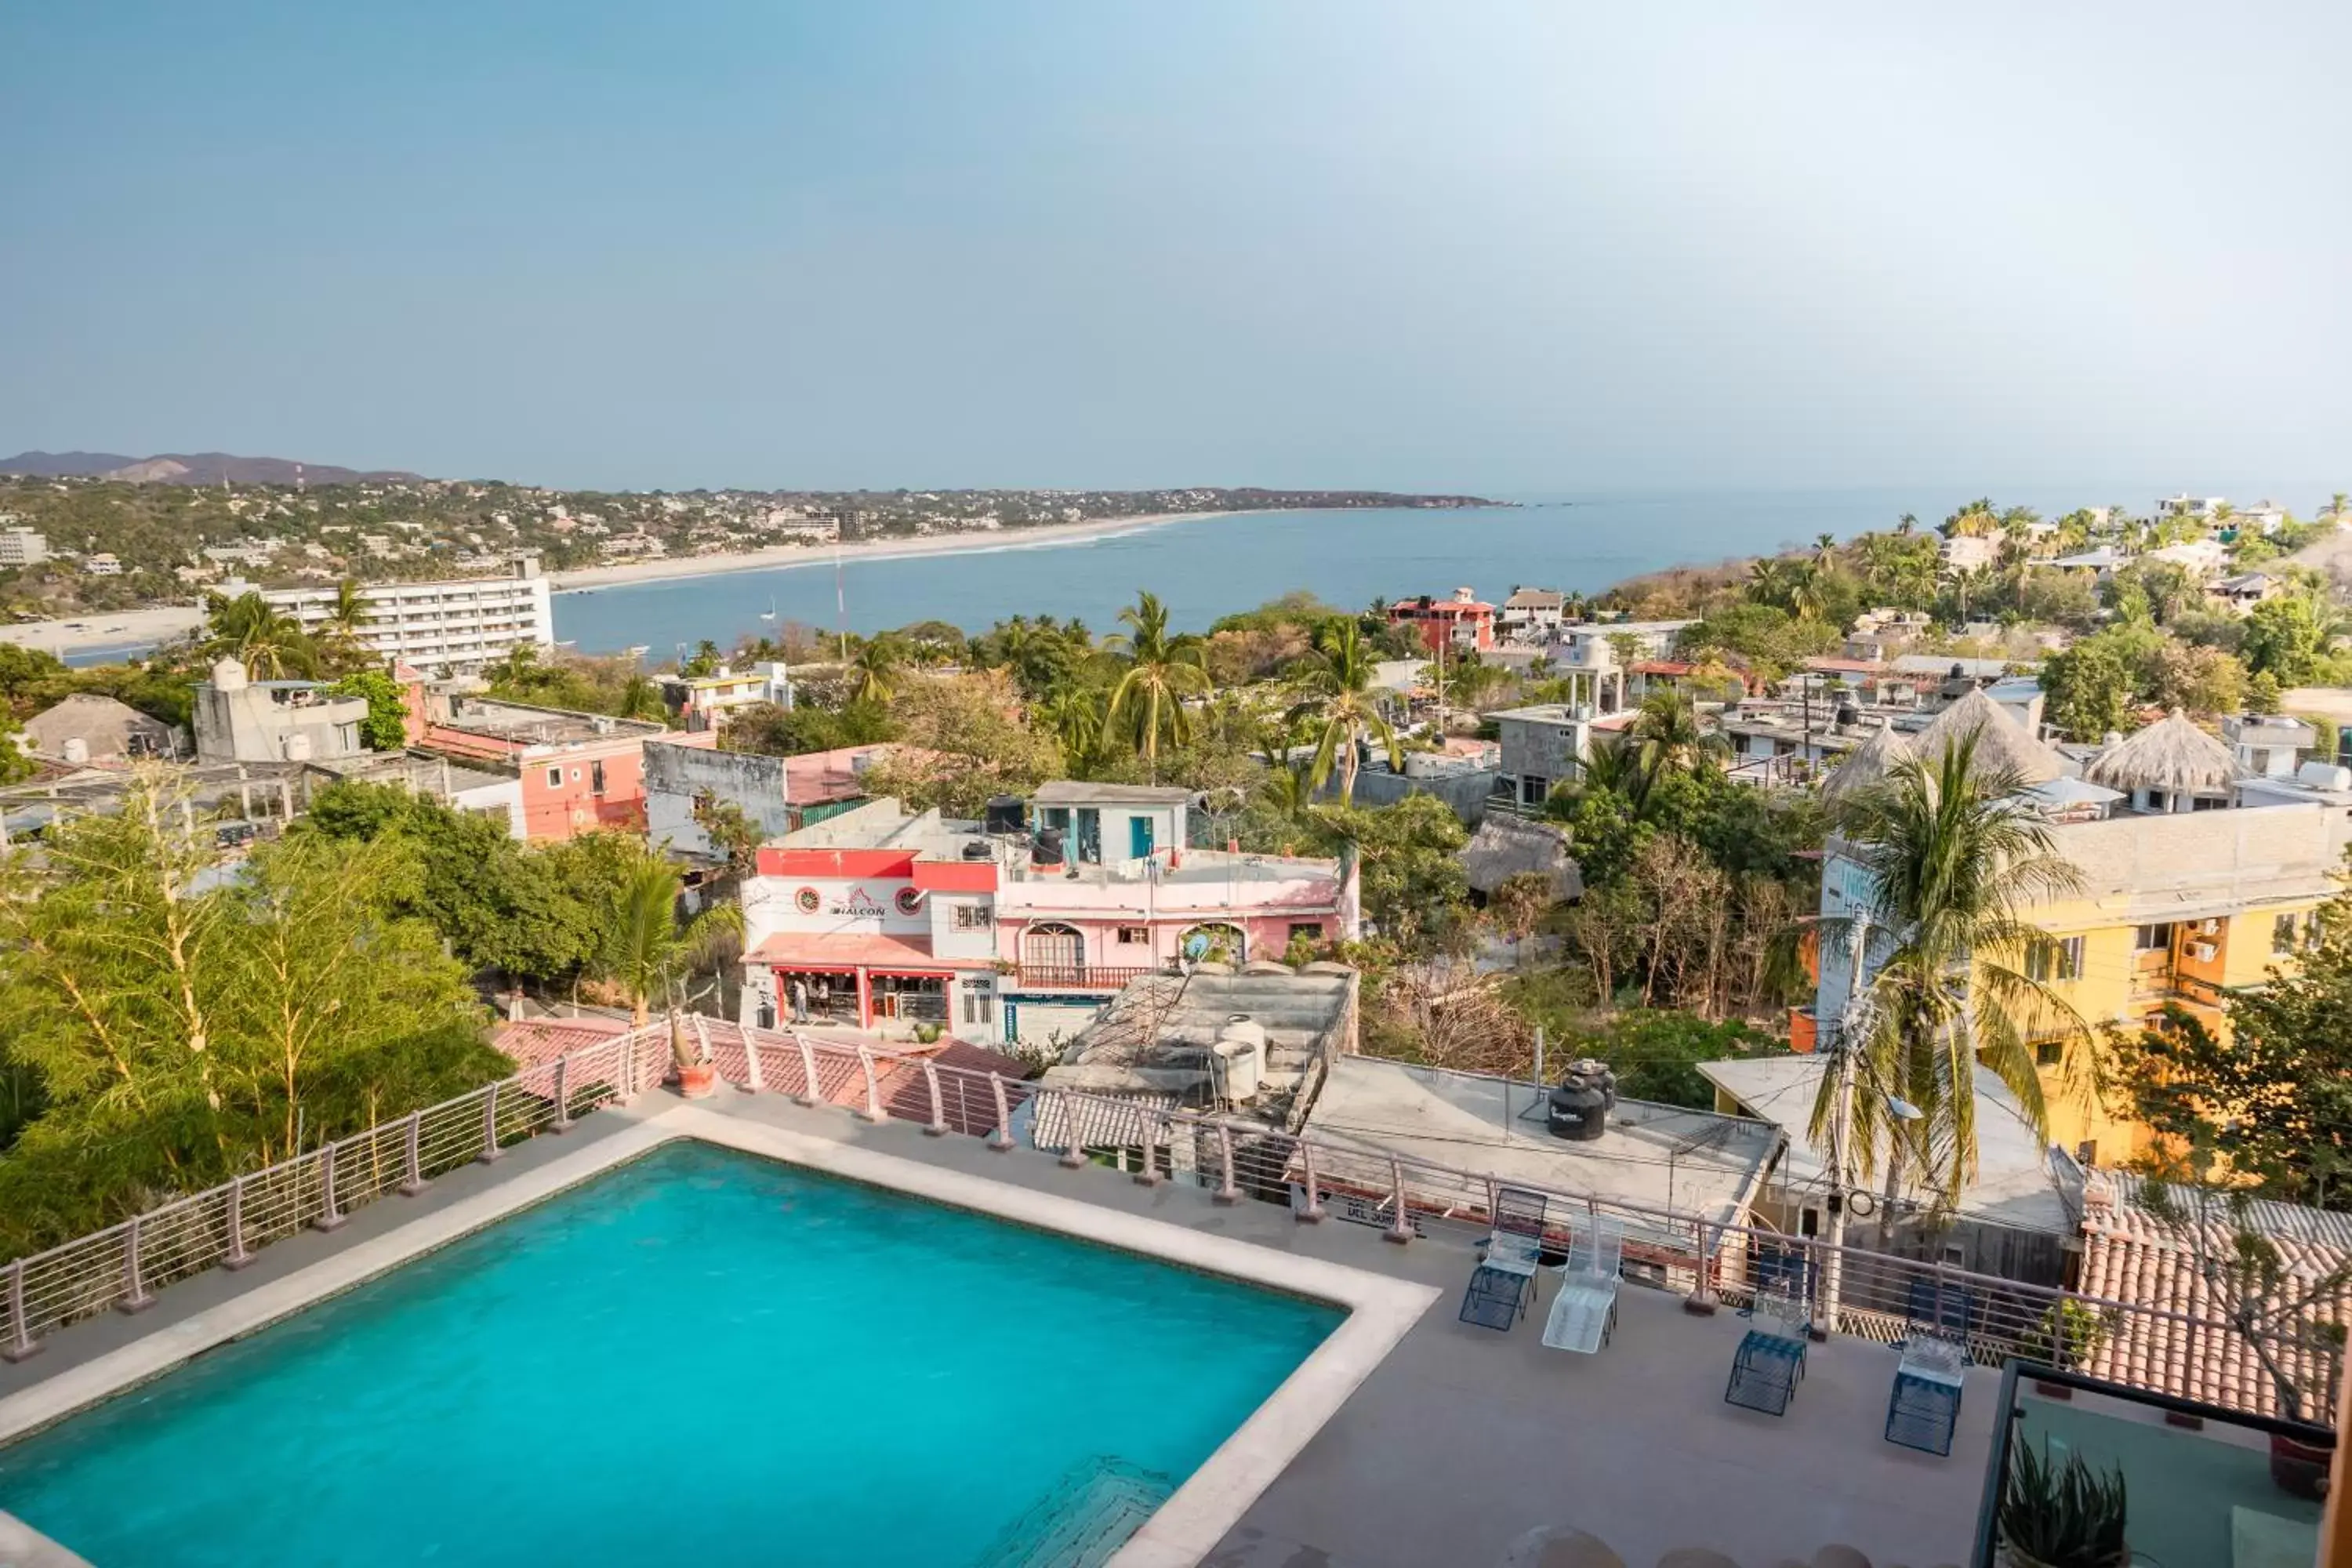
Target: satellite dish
x=1904, y=1110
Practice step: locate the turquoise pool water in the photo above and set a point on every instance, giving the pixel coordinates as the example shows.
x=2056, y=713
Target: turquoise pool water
x=699, y=1358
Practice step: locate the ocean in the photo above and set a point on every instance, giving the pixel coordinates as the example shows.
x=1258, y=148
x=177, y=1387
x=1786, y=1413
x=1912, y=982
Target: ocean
x=1217, y=566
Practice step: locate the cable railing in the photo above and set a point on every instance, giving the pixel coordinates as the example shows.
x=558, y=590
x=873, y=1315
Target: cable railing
x=1855, y=1291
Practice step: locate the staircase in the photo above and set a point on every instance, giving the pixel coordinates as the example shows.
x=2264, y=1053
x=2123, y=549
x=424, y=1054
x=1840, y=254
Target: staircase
x=1083, y=1518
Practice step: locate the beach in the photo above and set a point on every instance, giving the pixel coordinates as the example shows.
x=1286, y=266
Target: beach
x=785, y=556
x=100, y=630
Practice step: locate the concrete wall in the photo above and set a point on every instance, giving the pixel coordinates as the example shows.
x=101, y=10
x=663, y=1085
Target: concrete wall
x=1464, y=793
x=676, y=774
x=251, y=725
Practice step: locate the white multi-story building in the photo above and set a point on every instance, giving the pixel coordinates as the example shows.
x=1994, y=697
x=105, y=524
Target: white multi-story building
x=22, y=547
x=439, y=629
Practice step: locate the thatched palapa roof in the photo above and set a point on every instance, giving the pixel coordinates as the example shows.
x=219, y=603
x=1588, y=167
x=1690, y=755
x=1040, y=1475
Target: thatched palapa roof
x=2001, y=741
x=1868, y=764
x=2170, y=754
x=1506, y=847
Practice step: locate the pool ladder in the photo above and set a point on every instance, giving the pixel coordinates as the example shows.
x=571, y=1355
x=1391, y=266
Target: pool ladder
x=1082, y=1520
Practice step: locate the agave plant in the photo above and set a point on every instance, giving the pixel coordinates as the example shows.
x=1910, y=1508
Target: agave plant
x=2062, y=1514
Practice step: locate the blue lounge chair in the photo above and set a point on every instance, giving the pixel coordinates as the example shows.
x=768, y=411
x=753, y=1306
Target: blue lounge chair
x=1496, y=1298
x=1770, y=1361
x=1924, y=1408
x=1515, y=1242
x=1939, y=1308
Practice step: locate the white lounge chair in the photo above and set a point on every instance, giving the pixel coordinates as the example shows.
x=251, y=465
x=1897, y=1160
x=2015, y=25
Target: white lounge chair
x=1585, y=1309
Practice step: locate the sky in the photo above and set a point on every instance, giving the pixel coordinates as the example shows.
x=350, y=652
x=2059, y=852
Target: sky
x=1509, y=248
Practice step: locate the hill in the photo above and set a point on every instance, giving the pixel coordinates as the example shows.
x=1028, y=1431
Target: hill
x=188, y=468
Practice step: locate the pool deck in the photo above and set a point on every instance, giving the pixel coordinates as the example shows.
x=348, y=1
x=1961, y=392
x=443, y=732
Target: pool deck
x=1458, y=1443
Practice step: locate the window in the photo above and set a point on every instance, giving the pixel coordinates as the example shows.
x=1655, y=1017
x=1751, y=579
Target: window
x=2155, y=938
x=2049, y=1053
x=555, y=778
x=596, y=777
x=2158, y=801
x=1135, y=936
x=2086, y=1153
x=2281, y=935
x=1533, y=788
x=971, y=916
x=1310, y=930
x=979, y=1006
x=2311, y=930
x=2058, y=961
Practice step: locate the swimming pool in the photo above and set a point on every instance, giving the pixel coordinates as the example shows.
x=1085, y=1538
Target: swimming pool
x=701, y=1356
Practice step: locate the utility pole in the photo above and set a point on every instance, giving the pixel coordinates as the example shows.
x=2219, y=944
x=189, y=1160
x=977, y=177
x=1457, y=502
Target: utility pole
x=1854, y=1014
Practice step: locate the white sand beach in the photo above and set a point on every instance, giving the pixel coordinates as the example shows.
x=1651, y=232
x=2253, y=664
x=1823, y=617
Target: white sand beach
x=105, y=629
x=791, y=555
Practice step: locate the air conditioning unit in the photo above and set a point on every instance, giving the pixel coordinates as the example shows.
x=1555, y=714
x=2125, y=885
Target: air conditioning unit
x=2208, y=928
x=2203, y=951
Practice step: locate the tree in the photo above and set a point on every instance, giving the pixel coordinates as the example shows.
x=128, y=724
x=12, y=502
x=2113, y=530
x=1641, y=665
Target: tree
x=1161, y=670
x=730, y=830
x=1413, y=888
x=181, y=1025
x=1952, y=855
x=1656, y=1053
x=2089, y=687
x=875, y=669
x=1670, y=738
x=773, y=731
x=386, y=728
x=1337, y=675
x=2286, y=639
x=649, y=952
x=248, y=629
x=1519, y=904
x=964, y=742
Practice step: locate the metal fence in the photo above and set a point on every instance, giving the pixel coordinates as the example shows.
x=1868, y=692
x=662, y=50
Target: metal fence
x=122, y=1266
x=1877, y=1296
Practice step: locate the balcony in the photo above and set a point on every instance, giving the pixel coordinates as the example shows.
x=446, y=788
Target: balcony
x=1104, y=977
x=2203, y=1486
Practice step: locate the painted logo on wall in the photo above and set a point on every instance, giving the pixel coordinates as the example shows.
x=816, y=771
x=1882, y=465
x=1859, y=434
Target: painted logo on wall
x=908, y=899
x=807, y=900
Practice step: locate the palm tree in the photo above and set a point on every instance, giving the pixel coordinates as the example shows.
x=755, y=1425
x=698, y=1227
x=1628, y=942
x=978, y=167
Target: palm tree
x=1161, y=670
x=1808, y=597
x=874, y=670
x=648, y=954
x=1668, y=737
x=1905, y=524
x=1825, y=554
x=348, y=609
x=1768, y=582
x=248, y=629
x=1074, y=714
x=1949, y=963
x=1337, y=674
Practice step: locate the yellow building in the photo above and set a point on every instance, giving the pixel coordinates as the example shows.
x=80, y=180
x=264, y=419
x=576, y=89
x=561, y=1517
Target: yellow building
x=2185, y=890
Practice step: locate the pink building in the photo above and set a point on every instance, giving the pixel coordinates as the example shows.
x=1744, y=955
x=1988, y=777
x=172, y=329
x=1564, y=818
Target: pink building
x=579, y=772
x=880, y=917
x=1463, y=622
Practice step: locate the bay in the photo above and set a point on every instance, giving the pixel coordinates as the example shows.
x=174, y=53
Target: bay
x=1217, y=566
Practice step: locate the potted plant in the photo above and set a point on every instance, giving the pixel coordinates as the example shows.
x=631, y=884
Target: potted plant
x=697, y=1076
x=2061, y=1514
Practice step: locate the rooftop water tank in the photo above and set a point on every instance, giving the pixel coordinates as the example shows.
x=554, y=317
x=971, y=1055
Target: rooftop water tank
x=1005, y=814
x=2325, y=775
x=1046, y=846
x=298, y=748
x=229, y=676
x=1240, y=1055
x=1579, y=1107
x=77, y=750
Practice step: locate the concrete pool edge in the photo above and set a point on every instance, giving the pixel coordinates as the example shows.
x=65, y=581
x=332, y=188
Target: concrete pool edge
x=1210, y=1503
x=1181, y=1530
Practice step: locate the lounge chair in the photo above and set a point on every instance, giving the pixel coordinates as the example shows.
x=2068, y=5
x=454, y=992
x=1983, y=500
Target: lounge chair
x=1939, y=1308
x=1584, y=1312
x=1770, y=1361
x=1497, y=1298
x=1924, y=1408
x=1515, y=1243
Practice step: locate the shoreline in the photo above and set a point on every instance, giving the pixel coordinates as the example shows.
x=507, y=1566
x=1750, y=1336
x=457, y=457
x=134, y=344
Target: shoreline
x=788, y=557
x=103, y=631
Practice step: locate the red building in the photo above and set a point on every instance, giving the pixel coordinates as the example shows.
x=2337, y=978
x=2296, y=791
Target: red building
x=1464, y=621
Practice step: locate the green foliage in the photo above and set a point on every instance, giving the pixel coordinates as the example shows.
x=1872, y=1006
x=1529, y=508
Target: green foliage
x=1413, y=888
x=1761, y=637
x=965, y=741
x=386, y=728
x=730, y=830
x=1654, y=1052
x=1161, y=670
x=1340, y=709
x=776, y=732
x=2062, y=1513
x=614, y=685
x=178, y=1025
x=2287, y=639
x=2098, y=685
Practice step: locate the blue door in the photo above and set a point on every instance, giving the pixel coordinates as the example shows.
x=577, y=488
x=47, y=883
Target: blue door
x=1139, y=837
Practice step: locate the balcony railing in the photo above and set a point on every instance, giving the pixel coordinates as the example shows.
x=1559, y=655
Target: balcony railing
x=1877, y=1296
x=1081, y=976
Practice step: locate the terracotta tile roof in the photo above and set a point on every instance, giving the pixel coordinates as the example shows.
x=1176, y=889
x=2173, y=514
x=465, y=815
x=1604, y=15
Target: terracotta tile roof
x=2132, y=1257
x=842, y=950
x=536, y=1042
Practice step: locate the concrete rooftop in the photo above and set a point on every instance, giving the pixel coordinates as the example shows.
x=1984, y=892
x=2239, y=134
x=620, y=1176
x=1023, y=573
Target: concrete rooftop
x=1461, y=1442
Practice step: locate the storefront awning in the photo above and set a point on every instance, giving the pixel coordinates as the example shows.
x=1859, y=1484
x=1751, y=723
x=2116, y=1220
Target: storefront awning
x=837, y=951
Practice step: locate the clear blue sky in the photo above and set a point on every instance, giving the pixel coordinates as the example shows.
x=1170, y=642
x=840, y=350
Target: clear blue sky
x=1513, y=248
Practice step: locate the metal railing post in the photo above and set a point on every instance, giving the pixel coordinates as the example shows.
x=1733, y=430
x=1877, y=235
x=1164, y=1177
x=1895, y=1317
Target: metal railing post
x=754, y=1080
x=1227, y=1193
x=1002, y=1139
x=872, y=1111
x=562, y=1123
x=1148, y=1174
x=1075, y=1154
x=21, y=1343
x=489, y=1126
x=2058, y=1356
x=412, y=1180
x=1311, y=1213
x=936, y=1127
x=1400, y=1229
x=136, y=1296
x=807, y=1096
x=330, y=1216
x=1701, y=1301
x=237, y=1255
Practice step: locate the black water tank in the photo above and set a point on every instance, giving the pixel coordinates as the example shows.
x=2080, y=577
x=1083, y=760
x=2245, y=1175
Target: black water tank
x=974, y=850
x=1045, y=847
x=1005, y=814
x=1848, y=716
x=1579, y=1107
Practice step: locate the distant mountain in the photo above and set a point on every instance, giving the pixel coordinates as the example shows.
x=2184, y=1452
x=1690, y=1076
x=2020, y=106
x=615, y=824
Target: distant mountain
x=187, y=468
